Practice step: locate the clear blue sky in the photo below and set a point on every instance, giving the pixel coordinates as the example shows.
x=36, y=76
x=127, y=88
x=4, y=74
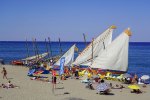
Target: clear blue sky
x=69, y=19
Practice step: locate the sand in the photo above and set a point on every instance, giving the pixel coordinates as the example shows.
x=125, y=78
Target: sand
x=38, y=90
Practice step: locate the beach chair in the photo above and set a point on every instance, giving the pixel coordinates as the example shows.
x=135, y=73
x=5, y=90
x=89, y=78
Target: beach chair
x=108, y=76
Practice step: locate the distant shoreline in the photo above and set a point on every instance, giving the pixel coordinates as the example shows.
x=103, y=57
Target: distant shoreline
x=66, y=41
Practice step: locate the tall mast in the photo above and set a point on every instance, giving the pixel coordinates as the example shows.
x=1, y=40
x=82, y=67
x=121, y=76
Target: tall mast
x=60, y=47
x=92, y=50
x=50, y=47
x=84, y=39
x=36, y=47
x=47, y=50
x=27, y=47
x=104, y=45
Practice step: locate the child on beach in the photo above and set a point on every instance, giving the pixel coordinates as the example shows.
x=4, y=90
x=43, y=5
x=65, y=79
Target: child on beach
x=4, y=73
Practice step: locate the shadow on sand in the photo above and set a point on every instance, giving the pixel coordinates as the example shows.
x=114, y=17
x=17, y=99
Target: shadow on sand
x=107, y=94
x=10, y=78
x=60, y=88
x=73, y=98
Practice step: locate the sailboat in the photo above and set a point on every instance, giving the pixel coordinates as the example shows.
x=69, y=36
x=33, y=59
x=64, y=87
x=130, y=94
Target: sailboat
x=115, y=56
x=36, y=57
x=95, y=47
x=69, y=57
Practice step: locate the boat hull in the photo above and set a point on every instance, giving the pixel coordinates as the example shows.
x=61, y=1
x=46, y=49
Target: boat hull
x=17, y=62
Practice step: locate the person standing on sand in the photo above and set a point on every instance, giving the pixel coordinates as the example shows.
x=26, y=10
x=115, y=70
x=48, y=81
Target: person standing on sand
x=54, y=79
x=4, y=73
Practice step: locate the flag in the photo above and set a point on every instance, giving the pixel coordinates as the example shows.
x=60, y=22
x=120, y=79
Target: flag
x=62, y=61
x=76, y=49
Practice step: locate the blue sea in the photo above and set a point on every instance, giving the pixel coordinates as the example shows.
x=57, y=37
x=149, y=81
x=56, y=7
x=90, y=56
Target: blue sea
x=139, y=53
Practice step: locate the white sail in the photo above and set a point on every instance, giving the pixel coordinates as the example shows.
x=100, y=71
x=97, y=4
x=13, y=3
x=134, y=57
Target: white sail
x=69, y=57
x=99, y=44
x=37, y=56
x=115, y=56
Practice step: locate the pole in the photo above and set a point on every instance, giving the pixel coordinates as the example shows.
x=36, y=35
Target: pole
x=47, y=50
x=34, y=50
x=60, y=47
x=92, y=49
x=36, y=47
x=27, y=47
x=84, y=39
x=50, y=47
x=104, y=45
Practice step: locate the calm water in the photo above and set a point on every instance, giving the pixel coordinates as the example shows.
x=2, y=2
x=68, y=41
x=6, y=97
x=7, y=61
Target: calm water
x=139, y=53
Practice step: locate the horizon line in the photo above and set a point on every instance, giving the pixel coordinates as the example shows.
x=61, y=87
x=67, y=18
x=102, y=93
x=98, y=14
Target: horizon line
x=61, y=41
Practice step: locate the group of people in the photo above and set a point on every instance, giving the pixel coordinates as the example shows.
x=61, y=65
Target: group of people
x=9, y=84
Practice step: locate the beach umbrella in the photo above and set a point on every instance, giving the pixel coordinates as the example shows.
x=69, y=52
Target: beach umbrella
x=102, y=87
x=126, y=75
x=134, y=87
x=145, y=77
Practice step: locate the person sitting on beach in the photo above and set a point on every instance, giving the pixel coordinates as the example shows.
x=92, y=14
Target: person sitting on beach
x=4, y=73
x=89, y=84
x=136, y=91
x=117, y=87
x=135, y=79
x=9, y=85
x=103, y=87
x=3, y=86
x=128, y=80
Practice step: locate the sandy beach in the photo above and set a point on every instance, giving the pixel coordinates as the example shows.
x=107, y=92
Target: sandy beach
x=38, y=90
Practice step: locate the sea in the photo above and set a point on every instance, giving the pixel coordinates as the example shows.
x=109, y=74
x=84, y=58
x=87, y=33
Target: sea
x=139, y=52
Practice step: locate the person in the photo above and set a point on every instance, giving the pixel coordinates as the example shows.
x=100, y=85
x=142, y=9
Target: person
x=89, y=85
x=136, y=91
x=135, y=79
x=77, y=73
x=9, y=85
x=4, y=86
x=54, y=79
x=128, y=80
x=4, y=73
x=103, y=87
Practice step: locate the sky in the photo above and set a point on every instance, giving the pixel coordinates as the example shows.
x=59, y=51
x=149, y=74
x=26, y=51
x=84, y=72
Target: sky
x=69, y=19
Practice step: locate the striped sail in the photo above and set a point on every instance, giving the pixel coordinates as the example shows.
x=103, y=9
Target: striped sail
x=115, y=56
x=95, y=47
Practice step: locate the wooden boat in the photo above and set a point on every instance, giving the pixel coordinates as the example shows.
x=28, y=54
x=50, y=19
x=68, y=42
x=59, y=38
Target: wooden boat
x=17, y=62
